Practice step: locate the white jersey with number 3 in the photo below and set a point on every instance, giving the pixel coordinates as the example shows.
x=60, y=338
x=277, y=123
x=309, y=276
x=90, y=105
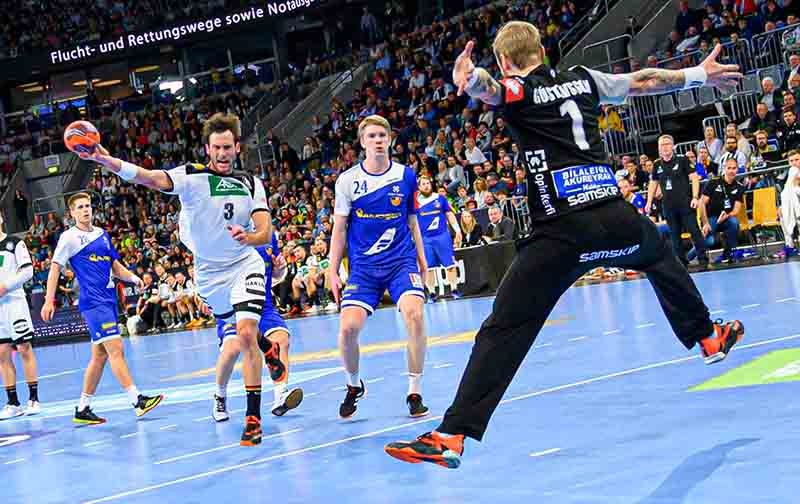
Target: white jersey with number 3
x=211, y=202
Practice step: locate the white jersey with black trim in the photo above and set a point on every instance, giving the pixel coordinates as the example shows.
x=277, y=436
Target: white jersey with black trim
x=13, y=257
x=211, y=202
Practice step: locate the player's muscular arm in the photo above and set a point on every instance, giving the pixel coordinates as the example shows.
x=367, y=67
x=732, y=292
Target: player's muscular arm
x=484, y=87
x=154, y=179
x=338, y=238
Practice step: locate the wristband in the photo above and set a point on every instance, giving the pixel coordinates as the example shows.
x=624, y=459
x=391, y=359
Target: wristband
x=695, y=77
x=127, y=171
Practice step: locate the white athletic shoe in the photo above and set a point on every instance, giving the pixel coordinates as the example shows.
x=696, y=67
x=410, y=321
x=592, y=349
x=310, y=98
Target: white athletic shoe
x=288, y=400
x=34, y=408
x=10, y=412
x=331, y=307
x=220, y=412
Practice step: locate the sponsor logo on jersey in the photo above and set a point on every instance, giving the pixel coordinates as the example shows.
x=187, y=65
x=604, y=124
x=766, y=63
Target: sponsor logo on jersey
x=514, y=90
x=592, y=195
x=608, y=254
x=383, y=243
x=108, y=325
x=99, y=258
x=226, y=187
x=580, y=179
x=361, y=214
x=396, y=201
x=430, y=212
x=351, y=288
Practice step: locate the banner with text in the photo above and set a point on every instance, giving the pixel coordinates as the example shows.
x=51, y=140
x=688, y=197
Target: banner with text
x=177, y=33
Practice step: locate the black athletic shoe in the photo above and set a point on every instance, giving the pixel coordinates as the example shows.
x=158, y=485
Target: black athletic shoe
x=415, y=407
x=277, y=369
x=349, y=406
x=290, y=402
x=87, y=417
x=252, y=432
x=147, y=403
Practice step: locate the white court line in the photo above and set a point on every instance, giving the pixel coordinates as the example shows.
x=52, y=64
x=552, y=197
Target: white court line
x=237, y=410
x=202, y=419
x=168, y=427
x=543, y=345
x=312, y=394
x=785, y=300
x=15, y=461
x=442, y=366
x=615, y=331
x=744, y=307
x=95, y=443
x=176, y=350
x=578, y=338
x=374, y=380
x=56, y=452
x=545, y=452
x=716, y=312
x=402, y=426
x=54, y=375
x=129, y=435
x=219, y=448
x=338, y=389
x=642, y=326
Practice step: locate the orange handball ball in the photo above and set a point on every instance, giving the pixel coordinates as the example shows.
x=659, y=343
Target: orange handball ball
x=81, y=136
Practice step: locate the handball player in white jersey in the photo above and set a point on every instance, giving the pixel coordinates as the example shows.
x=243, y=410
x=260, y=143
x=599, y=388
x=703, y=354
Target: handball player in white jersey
x=218, y=206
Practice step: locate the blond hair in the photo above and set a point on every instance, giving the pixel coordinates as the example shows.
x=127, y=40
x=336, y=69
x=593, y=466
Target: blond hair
x=78, y=196
x=519, y=42
x=373, y=120
x=220, y=123
x=467, y=228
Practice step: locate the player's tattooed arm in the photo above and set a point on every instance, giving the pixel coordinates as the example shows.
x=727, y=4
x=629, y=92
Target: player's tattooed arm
x=484, y=87
x=656, y=80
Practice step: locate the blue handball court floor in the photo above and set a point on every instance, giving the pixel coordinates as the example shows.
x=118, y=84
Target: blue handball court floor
x=608, y=407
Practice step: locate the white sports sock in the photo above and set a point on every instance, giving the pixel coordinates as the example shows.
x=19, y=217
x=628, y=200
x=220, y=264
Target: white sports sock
x=84, y=401
x=414, y=383
x=280, y=388
x=222, y=390
x=353, y=379
x=133, y=394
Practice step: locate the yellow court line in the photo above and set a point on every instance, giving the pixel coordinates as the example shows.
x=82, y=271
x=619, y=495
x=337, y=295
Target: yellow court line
x=372, y=348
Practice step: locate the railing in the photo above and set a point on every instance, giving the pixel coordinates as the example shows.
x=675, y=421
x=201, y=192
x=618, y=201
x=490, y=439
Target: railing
x=583, y=25
x=607, y=44
x=767, y=48
x=516, y=209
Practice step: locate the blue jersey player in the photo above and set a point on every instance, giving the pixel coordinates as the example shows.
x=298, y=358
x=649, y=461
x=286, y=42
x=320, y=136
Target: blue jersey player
x=93, y=259
x=375, y=213
x=273, y=327
x=434, y=212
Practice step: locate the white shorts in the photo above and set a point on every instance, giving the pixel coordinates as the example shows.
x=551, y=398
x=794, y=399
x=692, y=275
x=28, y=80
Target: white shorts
x=237, y=289
x=15, y=321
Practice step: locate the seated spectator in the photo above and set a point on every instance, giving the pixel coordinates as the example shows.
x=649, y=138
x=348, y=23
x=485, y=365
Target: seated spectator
x=732, y=152
x=789, y=134
x=706, y=164
x=711, y=143
x=721, y=201
x=631, y=197
x=770, y=96
x=763, y=119
x=471, y=230
x=501, y=228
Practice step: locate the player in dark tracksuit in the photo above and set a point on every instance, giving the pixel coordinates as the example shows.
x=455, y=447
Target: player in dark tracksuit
x=581, y=222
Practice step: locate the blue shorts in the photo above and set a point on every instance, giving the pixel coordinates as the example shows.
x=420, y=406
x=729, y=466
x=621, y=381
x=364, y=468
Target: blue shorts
x=102, y=323
x=270, y=322
x=439, y=251
x=366, y=285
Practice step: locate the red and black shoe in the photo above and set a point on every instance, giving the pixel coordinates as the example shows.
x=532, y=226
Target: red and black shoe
x=716, y=348
x=272, y=357
x=430, y=447
x=252, y=432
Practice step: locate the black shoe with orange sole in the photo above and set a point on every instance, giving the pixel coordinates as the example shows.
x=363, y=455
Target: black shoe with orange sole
x=716, y=348
x=252, y=432
x=430, y=447
x=272, y=357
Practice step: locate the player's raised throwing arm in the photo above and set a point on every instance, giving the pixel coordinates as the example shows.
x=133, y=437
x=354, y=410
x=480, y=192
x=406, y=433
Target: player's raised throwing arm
x=154, y=179
x=476, y=82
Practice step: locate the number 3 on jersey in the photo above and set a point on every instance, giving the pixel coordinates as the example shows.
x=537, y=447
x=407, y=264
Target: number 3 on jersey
x=571, y=108
x=228, y=211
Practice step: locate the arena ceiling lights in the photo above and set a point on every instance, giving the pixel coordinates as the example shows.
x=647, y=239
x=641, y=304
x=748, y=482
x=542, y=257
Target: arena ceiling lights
x=108, y=83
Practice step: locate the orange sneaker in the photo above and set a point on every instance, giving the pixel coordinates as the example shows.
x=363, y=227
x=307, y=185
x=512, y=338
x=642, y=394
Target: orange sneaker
x=716, y=348
x=429, y=447
x=252, y=432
